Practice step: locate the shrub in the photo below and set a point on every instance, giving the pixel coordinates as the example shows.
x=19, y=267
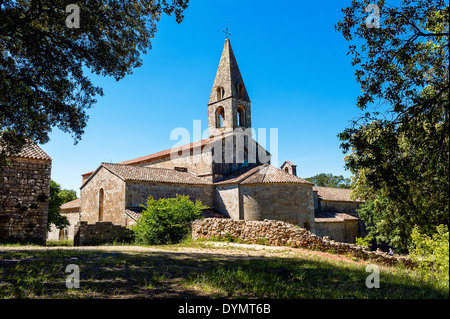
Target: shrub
x=431, y=255
x=364, y=241
x=167, y=220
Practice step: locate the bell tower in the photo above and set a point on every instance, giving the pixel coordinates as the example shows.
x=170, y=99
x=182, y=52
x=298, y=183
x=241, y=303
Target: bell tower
x=229, y=105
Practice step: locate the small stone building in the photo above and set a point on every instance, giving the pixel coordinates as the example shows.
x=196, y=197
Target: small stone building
x=71, y=210
x=336, y=214
x=24, y=195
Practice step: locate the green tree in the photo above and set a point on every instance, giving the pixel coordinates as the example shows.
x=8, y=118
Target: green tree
x=330, y=180
x=44, y=65
x=431, y=254
x=398, y=149
x=67, y=195
x=167, y=220
x=58, y=197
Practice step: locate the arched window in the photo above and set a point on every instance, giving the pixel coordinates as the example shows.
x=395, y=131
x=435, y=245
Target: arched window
x=220, y=116
x=286, y=169
x=241, y=90
x=220, y=93
x=241, y=116
x=100, y=204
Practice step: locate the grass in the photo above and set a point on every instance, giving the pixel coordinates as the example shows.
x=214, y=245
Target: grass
x=178, y=271
x=57, y=243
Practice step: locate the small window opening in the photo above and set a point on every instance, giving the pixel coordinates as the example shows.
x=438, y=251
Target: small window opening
x=241, y=116
x=220, y=116
x=100, y=205
x=220, y=92
x=241, y=90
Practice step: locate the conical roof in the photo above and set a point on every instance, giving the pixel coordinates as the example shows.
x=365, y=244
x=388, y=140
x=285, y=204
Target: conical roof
x=228, y=76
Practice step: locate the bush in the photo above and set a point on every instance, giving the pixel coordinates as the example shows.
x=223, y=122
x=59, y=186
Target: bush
x=167, y=220
x=364, y=241
x=431, y=255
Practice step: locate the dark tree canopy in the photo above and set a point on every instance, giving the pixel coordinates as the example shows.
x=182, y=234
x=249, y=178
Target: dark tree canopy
x=43, y=62
x=58, y=197
x=398, y=149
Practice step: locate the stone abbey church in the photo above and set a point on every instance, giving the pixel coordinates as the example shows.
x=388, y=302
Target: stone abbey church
x=229, y=172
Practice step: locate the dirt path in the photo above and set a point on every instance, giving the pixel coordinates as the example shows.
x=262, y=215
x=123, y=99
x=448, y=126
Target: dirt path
x=220, y=248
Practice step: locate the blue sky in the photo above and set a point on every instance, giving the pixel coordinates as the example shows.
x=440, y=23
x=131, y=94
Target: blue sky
x=294, y=66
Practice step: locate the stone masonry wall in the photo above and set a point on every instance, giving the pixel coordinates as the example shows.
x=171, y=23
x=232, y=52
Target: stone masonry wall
x=68, y=231
x=227, y=200
x=198, y=163
x=113, y=198
x=278, y=233
x=100, y=233
x=291, y=203
x=24, y=194
x=338, y=230
x=138, y=192
x=340, y=207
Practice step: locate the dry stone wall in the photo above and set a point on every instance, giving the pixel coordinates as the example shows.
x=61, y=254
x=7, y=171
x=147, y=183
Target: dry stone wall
x=279, y=233
x=100, y=233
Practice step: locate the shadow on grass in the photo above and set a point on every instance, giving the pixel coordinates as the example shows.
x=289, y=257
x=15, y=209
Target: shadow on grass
x=37, y=274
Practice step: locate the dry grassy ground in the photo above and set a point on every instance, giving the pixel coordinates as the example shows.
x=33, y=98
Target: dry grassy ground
x=198, y=270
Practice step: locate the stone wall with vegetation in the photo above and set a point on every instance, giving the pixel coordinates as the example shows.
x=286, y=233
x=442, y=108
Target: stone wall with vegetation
x=279, y=233
x=100, y=233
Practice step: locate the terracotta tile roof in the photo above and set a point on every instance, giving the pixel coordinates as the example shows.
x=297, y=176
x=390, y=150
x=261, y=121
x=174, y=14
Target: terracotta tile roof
x=270, y=174
x=33, y=151
x=151, y=174
x=334, y=194
x=288, y=162
x=166, y=153
x=237, y=176
x=76, y=203
x=88, y=173
x=260, y=175
x=324, y=217
x=133, y=215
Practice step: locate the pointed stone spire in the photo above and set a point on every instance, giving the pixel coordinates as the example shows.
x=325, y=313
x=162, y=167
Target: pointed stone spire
x=229, y=106
x=228, y=81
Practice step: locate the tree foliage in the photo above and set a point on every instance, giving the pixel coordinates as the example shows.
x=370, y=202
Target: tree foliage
x=58, y=197
x=167, y=220
x=43, y=63
x=330, y=180
x=398, y=150
x=431, y=254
